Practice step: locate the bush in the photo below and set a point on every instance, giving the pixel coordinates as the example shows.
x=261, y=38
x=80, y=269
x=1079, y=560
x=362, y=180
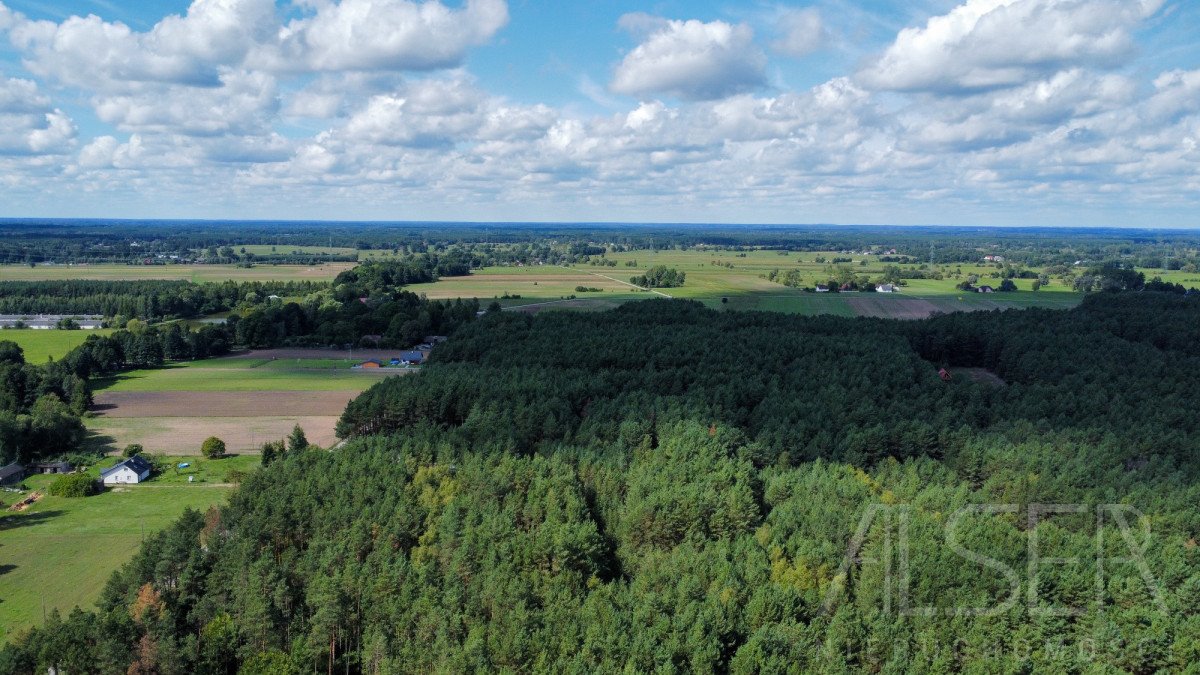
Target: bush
x=132, y=449
x=73, y=485
x=213, y=448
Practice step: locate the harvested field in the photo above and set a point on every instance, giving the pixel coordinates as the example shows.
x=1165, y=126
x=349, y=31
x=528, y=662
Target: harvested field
x=117, y=404
x=892, y=307
x=177, y=422
x=895, y=307
x=597, y=305
x=183, y=435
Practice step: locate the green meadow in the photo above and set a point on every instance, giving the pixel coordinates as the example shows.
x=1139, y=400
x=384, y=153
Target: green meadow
x=41, y=345
x=242, y=374
x=59, y=553
x=738, y=280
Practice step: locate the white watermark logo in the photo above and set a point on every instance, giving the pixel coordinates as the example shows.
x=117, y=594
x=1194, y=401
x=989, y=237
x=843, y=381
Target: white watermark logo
x=1115, y=543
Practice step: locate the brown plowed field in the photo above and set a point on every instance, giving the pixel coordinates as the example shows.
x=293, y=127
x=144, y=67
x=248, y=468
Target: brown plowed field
x=184, y=435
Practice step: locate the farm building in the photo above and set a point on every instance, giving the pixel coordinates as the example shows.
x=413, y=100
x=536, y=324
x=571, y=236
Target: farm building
x=133, y=470
x=985, y=289
x=414, y=356
x=53, y=467
x=369, y=364
x=50, y=321
x=13, y=473
x=885, y=288
x=822, y=288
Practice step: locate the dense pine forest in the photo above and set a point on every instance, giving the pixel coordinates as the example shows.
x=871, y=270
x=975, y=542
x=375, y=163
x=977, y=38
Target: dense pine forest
x=667, y=488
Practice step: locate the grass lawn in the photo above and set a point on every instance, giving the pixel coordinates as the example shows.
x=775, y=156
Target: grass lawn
x=201, y=470
x=60, y=552
x=195, y=273
x=41, y=345
x=233, y=376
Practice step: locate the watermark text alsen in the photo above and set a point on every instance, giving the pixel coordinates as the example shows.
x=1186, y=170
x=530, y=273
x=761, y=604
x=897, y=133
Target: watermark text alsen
x=1116, y=543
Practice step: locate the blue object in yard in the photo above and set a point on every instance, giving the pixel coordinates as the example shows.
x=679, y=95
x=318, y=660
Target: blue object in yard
x=184, y=465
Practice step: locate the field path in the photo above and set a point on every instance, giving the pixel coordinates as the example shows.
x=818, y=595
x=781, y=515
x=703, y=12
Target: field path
x=640, y=288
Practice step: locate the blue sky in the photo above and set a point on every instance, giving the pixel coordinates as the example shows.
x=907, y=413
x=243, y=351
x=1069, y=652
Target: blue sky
x=990, y=112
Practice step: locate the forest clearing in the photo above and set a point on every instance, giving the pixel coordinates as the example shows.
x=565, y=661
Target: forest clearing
x=245, y=400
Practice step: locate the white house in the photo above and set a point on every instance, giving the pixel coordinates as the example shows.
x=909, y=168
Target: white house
x=885, y=288
x=133, y=470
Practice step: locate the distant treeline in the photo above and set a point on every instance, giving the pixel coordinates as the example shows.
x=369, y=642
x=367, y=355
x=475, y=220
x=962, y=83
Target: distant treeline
x=159, y=299
x=40, y=405
x=152, y=299
x=366, y=306
x=38, y=241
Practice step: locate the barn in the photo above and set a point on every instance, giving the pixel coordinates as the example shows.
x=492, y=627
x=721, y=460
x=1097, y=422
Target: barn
x=11, y=474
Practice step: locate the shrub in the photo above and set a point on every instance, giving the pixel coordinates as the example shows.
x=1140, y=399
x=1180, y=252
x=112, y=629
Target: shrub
x=132, y=449
x=73, y=485
x=213, y=448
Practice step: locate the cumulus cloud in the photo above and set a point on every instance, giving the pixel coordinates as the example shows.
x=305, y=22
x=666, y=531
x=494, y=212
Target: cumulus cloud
x=988, y=44
x=691, y=60
x=243, y=103
x=386, y=34
x=190, y=49
x=427, y=113
x=21, y=96
x=998, y=101
x=28, y=125
x=801, y=32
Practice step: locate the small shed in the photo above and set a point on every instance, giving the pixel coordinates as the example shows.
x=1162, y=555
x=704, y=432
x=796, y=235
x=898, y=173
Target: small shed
x=369, y=364
x=133, y=470
x=11, y=474
x=53, y=467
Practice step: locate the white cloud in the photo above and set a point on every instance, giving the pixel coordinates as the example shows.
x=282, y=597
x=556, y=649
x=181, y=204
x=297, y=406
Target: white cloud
x=190, y=50
x=245, y=102
x=28, y=124
x=1013, y=103
x=987, y=44
x=690, y=60
x=430, y=112
x=21, y=96
x=801, y=32
x=386, y=35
